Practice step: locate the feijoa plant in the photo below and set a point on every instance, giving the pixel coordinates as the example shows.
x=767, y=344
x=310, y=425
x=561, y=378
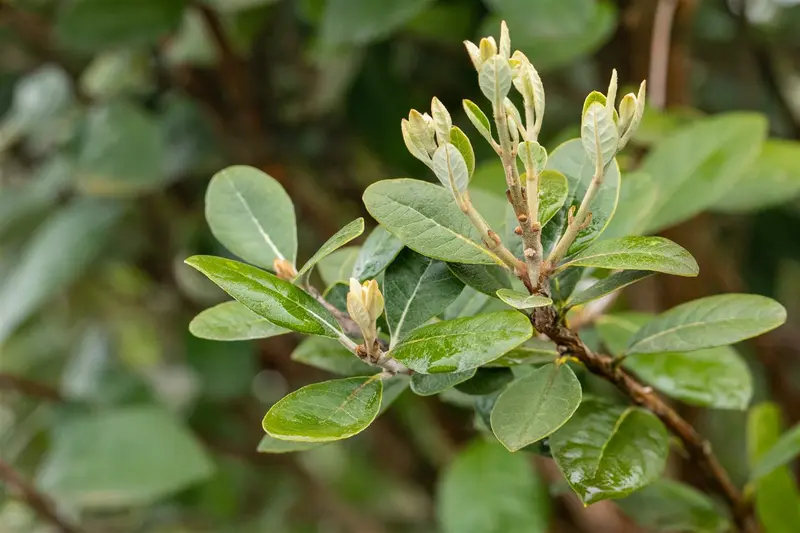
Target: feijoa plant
x=458, y=290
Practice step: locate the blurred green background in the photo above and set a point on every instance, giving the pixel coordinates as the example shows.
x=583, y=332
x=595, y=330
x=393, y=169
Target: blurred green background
x=116, y=113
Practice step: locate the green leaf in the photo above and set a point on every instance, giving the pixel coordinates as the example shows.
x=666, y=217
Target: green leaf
x=416, y=288
x=535, y=406
x=470, y=302
x=430, y=384
x=553, y=192
x=570, y=159
x=378, y=251
x=226, y=370
x=92, y=25
x=124, y=457
x=637, y=196
x=39, y=97
x=708, y=322
x=520, y=300
x=614, y=282
x=327, y=411
x=339, y=239
x=277, y=300
x=358, y=22
x=608, y=451
x=656, y=254
x=777, y=498
x=617, y=329
x=534, y=351
x=487, y=279
x=772, y=179
x=478, y=119
x=425, y=217
x=494, y=79
x=699, y=163
x=785, y=450
x=232, y=321
x=669, y=506
x=451, y=168
x=533, y=155
x=487, y=381
x=462, y=343
x=329, y=355
x=338, y=266
x=270, y=444
x=60, y=250
x=502, y=491
x=599, y=134
x=252, y=216
x=461, y=142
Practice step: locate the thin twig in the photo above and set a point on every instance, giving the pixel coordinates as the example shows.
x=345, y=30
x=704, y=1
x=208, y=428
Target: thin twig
x=30, y=388
x=35, y=499
x=659, y=52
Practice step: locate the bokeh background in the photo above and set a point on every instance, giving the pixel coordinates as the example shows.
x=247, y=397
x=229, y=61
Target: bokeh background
x=116, y=113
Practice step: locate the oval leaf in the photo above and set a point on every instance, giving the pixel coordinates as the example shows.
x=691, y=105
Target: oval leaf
x=487, y=279
x=451, y=168
x=251, y=215
x=232, y=321
x=425, y=217
x=277, y=300
x=520, y=300
x=605, y=286
x=708, y=322
x=494, y=79
x=656, y=254
x=430, y=384
x=339, y=239
x=599, y=133
x=478, y=119
x=327, y=411
x=608, y=451
x=463, y=343
x=378, y=251
x=461, y=142
x=535, y=406
x=329, y=355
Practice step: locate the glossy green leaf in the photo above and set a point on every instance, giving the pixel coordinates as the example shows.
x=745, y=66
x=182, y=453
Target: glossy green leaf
x=772, y=179
x=614, y=282
x=564, y=283
x=270, y=444
x=250, y=213
x=699, y=163
x=463, y=343
x=327, y=411
x=534, y=351
x=487, y=381
x=416, y=288
x=608, y=451
x=478, y=119
x=358, y=22
x=501, y=489
x=339, y=239
x=425, y=217
x=60, y=250
x=277, y=300
x=673, y=507
x=520, y=300
x=378, y=251
x=329, y=355
x=784, y=451
x=553, y=192
x=535, y=406
x=450, y=168
x=232, y=321
x=464, y=146
x=494, y=79
x=123, y=457
x=599, y=134
x=777, y=497
x=637, y=196
x=430, y=384
x=487, y=279
x=570, y=159
x=708, y=322
x=338, y=266
x=656, y=254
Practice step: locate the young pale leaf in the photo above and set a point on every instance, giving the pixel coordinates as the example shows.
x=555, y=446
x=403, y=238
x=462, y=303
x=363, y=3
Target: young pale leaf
x=459, y=139
x=416, y=288
x=520, y=300
x=451, y=168
x=553, y=192
x=232, y=321
x=673, y=507
x=608, y=451
x=252, y=216
x=277, y=300
x=656, y=254
x=785, y=450
x=463, y=343
x=427, y=220
x=339, y=239
x=599, y=134
x=502, y=489
x=329, y=355
x=535, y=406
x=487, y=279
x=708, y=322
x=327, y=411
x=777, y=498
x=380, y=249
x=605, y=286
x=478, y=119
x=495, y=79
x=532, y=155
x=270, y=444
x=430, y=384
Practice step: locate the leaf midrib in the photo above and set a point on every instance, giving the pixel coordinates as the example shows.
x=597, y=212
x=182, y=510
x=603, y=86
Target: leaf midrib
x=256, y=222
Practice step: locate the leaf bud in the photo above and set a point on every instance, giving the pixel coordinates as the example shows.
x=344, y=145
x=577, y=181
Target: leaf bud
x=488, y=48
x=284, y=269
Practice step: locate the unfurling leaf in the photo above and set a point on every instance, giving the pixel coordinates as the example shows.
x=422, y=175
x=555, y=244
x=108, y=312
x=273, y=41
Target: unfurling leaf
x=495, y=79
x=599, y=134
x=451, y=169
